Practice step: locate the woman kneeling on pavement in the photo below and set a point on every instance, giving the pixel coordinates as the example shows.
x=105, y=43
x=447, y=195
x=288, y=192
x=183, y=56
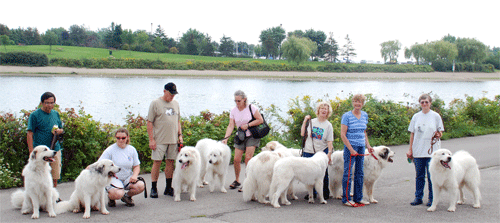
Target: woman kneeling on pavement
x=126, y=157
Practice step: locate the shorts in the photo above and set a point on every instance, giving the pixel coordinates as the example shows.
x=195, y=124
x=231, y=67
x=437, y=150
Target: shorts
x=117, y=183
x=250, y=141
x=165, y=151
x=56, y=166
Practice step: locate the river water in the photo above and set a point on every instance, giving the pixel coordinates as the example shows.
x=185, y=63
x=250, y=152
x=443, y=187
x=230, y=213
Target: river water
x=109, y=99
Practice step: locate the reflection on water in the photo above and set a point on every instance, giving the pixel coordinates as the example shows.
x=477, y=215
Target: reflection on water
x=109, y=99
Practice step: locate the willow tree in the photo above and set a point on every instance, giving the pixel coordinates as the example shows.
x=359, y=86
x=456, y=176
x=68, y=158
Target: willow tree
x=298, y=50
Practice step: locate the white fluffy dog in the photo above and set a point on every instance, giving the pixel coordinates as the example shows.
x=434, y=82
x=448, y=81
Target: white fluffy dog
x=39, y=190
x=90, y=188
x=187, y=172
x=275, y=145
x=372, y=169
x=259, y=174
x=452, y=173
x=215, y=157
x=309, y=171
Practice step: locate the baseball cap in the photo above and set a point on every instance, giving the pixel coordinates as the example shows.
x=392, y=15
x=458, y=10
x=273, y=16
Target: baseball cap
x=170, y=87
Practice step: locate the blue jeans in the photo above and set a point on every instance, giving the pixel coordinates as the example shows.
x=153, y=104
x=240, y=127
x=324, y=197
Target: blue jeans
x=326, y=191
x=357, y=161
x=422, y=167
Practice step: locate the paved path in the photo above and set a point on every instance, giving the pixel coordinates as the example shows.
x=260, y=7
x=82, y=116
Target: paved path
x=432, y=76
x=394, y=191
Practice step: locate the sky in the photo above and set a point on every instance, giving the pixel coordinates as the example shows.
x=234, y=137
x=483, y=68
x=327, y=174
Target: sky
x=367, y=22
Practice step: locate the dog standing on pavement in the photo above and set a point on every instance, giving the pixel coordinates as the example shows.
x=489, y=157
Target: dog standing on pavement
x=187, y=172
x=39, y=192
x=452, y=173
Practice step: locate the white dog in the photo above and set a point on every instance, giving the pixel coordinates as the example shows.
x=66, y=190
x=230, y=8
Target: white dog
x=259, y=174
x=90, y=188
x=39, y=190
x=275, y=145
x=309, y=171
x=372, y=169
x=187, y=172
x=452, y=173
x=215, y=157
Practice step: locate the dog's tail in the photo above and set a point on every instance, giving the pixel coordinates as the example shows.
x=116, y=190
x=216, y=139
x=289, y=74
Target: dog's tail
x=63, y=206
x=17, y=198
x=250, y=187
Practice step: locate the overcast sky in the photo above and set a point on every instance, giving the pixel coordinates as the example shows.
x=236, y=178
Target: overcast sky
x=368, y=22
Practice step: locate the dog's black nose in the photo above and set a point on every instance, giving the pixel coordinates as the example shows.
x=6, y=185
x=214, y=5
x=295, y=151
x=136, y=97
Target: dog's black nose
x=180, y=161
x=449, y=159
x=210, y=161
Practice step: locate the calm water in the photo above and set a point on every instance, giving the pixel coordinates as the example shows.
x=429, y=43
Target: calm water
x=110, y=99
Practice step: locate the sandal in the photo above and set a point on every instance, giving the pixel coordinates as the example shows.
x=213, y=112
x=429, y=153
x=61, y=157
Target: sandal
x=234, y=185
x=241, y=189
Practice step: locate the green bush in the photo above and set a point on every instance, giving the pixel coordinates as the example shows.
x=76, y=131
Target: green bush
x=442, y=65
x=24, y=58
x=85, y=139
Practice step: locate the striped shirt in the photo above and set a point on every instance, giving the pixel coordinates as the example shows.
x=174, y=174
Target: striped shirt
x=355, y=127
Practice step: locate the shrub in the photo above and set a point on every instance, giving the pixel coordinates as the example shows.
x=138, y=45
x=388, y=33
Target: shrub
x=442, y=65
x=25, y=58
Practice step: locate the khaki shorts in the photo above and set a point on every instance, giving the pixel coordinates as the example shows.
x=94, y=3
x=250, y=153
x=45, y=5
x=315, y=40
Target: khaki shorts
x=56, y=166
x=251, y=141
x=164, y=151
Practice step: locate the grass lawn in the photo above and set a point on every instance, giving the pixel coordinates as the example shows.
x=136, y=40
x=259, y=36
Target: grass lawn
x=74, y=52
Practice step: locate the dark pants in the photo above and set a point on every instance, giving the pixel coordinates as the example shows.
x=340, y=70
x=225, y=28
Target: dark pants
x=326, y=191
x=421, y=168
x=357, y=162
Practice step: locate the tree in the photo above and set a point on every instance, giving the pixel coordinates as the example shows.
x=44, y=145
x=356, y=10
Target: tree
x=78, y=35
x=449, y=38
x=331, y=48
x=271, y=40
x=50, y=38
x=494, y=57
x=226, y=47
x=319, y=38
x=416, y=51
x=296, y=33
x=113, y=37
x=445, y=50
x=190, y=42
x=32, y=37
x=390, y=50
x=471, y=50
x=4, y=30
x=348, y=49
x=158, y=45
x=4, y=40
x=298, y=50
x=159, y=32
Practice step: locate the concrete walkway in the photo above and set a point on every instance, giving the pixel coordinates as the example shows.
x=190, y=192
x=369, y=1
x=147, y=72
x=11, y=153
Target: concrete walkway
x=394, y=191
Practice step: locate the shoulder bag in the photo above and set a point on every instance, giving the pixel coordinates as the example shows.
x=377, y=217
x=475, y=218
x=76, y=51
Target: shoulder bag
x=258, y=131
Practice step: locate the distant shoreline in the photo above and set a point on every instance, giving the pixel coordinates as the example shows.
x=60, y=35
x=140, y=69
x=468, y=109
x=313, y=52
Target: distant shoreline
x=292, y=75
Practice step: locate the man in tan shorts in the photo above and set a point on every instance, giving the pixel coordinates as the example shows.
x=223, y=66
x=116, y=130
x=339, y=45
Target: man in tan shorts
x=165, y=132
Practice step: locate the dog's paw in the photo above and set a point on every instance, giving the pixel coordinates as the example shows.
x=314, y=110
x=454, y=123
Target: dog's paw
x=105, y=212
x=324, y=202
x=52, y=214
x=460, y=202
x=451, y=209
x=338, y=197
x=192, y=199
x=294, y=197
x=25, y=211
x=34, y=216
x=311, y=201
x=201, y=186
x=86, y=216
x=276, y=206
x=223, y=190
x=431, y=209
x=76, y=210
x=476, y=205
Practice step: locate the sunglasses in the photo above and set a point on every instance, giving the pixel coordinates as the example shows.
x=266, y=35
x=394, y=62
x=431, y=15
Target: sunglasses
x=424, y=102
x=121, y=138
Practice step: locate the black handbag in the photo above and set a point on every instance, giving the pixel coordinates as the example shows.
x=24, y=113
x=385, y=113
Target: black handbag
x=261, y=130
x=240, y=136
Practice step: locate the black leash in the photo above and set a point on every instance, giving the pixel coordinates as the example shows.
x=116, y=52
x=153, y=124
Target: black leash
x=145, y=188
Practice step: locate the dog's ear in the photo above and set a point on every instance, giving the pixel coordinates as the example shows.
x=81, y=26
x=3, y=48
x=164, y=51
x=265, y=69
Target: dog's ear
x=384, y=153
x=99, y=169
x=33, y=155
x=220, y=153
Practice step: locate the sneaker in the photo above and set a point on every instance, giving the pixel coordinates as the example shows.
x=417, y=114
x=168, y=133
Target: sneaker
x=128, y=200
x=112, y=203
x=416, y=202
x=168, y=191
x=154, y=193
x=363, y=202
x=348, y=204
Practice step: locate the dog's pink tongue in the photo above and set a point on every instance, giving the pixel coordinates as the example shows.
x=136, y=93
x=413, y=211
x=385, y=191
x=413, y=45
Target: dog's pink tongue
x=184, y=165
x=445, y=164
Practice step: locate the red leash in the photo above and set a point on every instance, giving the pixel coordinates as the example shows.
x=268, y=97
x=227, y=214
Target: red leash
x=348, y=175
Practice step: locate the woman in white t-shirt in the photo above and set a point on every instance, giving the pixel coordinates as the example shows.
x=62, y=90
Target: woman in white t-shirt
x=125, y=156
x=319, y=138
x=241, y=117
x=424, y=125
